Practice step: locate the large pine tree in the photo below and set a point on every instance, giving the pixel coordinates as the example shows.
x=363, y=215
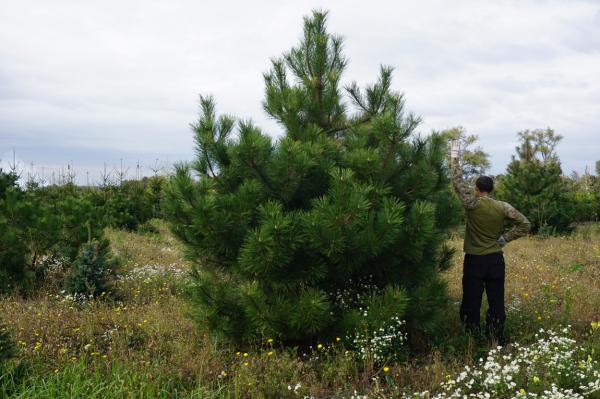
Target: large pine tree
x=296, y=238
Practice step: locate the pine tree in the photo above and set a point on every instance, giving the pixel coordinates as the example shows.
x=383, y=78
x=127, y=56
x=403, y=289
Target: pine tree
x=295, y=239
x=13, y=250
x=93, y=270
x=534, y=184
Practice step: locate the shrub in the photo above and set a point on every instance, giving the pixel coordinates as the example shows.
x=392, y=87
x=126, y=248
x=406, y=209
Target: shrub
x=93, y=270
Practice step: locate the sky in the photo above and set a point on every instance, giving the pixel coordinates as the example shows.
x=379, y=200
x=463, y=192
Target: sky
x=95, y=83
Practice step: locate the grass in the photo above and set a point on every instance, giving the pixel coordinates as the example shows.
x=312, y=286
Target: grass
x=139, y=343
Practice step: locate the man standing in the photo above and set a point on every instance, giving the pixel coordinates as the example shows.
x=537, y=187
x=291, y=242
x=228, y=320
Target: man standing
x=483, y=267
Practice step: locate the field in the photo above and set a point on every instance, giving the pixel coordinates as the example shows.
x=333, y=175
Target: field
x=141, y=343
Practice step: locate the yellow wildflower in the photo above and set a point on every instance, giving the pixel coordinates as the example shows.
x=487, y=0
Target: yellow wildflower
x=386, y=369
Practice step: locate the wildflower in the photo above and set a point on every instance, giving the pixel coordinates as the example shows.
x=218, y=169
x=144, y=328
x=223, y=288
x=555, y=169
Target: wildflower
x=536, y=380
x=270, y=353
x=270, y=341
x=245, y=354
x=320, y=346
x=87, y=347
x=246, y=364
x=338, y=339
x=386, y=369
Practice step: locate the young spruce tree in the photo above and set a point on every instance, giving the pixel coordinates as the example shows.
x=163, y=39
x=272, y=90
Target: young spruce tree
x=345, y=215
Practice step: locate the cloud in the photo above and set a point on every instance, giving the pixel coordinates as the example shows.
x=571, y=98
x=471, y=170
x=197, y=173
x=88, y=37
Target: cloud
x=101, y=81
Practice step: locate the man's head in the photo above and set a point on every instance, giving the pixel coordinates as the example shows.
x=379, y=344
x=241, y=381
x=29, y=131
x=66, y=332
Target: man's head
x=484, y=185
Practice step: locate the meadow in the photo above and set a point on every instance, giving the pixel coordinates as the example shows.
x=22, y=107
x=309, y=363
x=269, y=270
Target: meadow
x=139, y=341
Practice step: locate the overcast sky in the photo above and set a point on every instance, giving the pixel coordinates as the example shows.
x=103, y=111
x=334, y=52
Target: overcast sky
x=100, y=81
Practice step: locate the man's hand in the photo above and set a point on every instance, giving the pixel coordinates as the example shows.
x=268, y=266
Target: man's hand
x=454, y=148
x=502, y=241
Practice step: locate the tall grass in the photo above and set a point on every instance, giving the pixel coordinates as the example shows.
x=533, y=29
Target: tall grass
x=138, y=342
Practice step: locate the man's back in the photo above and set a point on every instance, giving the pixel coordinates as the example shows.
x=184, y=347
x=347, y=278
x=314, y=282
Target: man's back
x=485, y=224
x=485, y=218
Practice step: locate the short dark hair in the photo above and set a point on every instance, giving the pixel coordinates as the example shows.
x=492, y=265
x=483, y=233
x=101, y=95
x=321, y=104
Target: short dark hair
x=485, y=184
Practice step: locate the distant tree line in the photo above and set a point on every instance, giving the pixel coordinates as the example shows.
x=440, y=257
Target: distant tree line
x=57, y=224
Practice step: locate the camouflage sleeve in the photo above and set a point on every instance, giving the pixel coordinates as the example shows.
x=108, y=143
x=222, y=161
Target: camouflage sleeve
x=463, y=190
x=522, y=225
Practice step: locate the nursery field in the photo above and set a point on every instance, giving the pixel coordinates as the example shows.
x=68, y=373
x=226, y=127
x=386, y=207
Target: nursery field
x=139, y=341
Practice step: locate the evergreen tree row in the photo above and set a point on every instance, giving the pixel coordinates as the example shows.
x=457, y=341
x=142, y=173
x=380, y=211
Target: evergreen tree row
x=63, y=225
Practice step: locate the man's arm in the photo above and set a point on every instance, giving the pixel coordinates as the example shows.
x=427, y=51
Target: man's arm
x=522, y=225
x=463, y=190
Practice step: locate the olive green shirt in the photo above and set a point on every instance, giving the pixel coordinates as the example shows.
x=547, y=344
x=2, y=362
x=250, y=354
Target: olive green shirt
x=485, y=218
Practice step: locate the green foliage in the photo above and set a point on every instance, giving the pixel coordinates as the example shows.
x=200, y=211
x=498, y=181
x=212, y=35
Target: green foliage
x=80, y=380
x=93, y=270
x=585, y=195
x=7, y=346
x=132, y=203
x=42, y=223
x=79, y=223
x=12, y=248
x=290, y=238
x=7, y=181
x=534, y=183
x=38, y=223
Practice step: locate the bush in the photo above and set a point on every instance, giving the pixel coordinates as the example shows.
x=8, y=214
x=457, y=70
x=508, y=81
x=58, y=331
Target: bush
x=7, y=346
x=343, y=206
x=93, y=271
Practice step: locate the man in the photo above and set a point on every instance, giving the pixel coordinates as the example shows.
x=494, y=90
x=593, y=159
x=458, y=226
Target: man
x=483, y=266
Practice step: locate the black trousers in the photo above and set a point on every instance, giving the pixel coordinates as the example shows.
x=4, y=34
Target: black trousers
x=484, y=272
